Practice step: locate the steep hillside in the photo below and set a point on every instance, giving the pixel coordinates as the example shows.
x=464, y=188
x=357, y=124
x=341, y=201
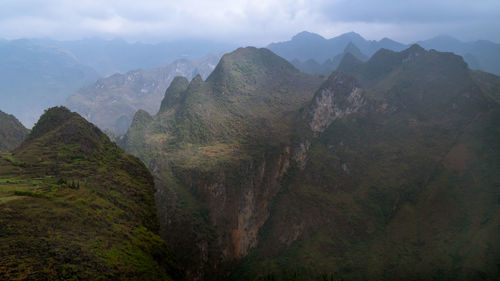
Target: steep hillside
x=388, y=170
x=74, y=206
x=12, y=132
x=111, y=102
x=216, y=150
x=395, y=177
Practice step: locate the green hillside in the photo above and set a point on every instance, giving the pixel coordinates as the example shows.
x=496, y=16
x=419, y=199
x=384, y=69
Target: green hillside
x=74, y=206
x=12, y=132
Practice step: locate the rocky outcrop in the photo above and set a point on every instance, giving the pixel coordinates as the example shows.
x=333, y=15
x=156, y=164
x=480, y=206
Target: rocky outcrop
x=338, y=97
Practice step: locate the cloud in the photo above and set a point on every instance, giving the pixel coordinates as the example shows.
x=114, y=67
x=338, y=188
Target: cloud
x=248, y=22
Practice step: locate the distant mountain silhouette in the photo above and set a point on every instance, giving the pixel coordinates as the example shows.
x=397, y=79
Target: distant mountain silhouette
x=306, y=45
x=111, y=102
x=482, y=54
x=327, y=67
x=309, y=48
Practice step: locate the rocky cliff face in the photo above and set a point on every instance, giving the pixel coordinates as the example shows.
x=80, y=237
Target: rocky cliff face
x=338, y=97
x=216, y=151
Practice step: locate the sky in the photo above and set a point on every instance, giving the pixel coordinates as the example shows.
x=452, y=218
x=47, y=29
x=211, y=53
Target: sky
x=250, y=22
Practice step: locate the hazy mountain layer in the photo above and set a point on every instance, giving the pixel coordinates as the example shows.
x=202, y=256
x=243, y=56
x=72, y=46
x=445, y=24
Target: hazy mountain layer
x=34, y=77
x=481, y=54
x=12, y=132
x=118, y=56
x=308, y=47
x=327, y=67
x=111, y=102
x=74, y=206
x=388, y=171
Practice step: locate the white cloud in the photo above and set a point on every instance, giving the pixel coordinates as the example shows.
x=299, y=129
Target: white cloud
x=248, y=22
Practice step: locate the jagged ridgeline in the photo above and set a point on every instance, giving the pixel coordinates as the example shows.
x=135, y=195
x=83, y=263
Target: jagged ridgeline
x=12, y=132
x=385, y=170
x=74, y=206
x=218, y=150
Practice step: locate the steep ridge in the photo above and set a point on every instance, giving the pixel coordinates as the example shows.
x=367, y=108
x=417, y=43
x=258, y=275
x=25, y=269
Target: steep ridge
x=12, y=132
x=111, y=102
x=395, y=168
x=218, y=150
x=74, y=206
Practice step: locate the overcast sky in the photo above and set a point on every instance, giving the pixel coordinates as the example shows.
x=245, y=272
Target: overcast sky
x=251, y=22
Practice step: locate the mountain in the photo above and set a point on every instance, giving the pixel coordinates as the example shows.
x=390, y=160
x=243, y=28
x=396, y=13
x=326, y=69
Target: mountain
x=111, y=102
x=40, y=73
x=386, y=170
x=209, y=147
x=12, y=132
x=74, y=206
x=482, y=54
x=34, y=77
x=327, y=67
x=108, y=57
x=306, y=45
x=388, y=155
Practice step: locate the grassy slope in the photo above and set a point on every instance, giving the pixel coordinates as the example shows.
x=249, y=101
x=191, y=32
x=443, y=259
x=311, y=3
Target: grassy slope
x=75, y=206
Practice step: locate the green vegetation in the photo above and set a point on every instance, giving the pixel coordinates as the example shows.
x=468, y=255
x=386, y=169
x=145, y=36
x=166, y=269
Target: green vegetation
x=402, y=185
x=74, y=206
x=12, y=132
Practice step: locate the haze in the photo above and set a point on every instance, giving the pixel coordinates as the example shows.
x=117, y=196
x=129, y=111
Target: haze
x=256, y=22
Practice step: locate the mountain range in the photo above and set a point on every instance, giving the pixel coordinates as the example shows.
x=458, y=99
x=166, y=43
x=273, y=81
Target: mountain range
x=482, y=54
x=385, y=170
x=327, y=67
x=39, y=73
x=111, y=102
x=34, y=77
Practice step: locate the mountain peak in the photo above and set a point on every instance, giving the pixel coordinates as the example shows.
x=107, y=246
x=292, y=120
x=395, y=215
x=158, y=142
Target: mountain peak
x=305, y=35
x=249, y=64
x=60, y=129
x=174, y=91
x=415, y=48
x=348, y=62
x=354, y=50
x=351, y=35
x=51, y=119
